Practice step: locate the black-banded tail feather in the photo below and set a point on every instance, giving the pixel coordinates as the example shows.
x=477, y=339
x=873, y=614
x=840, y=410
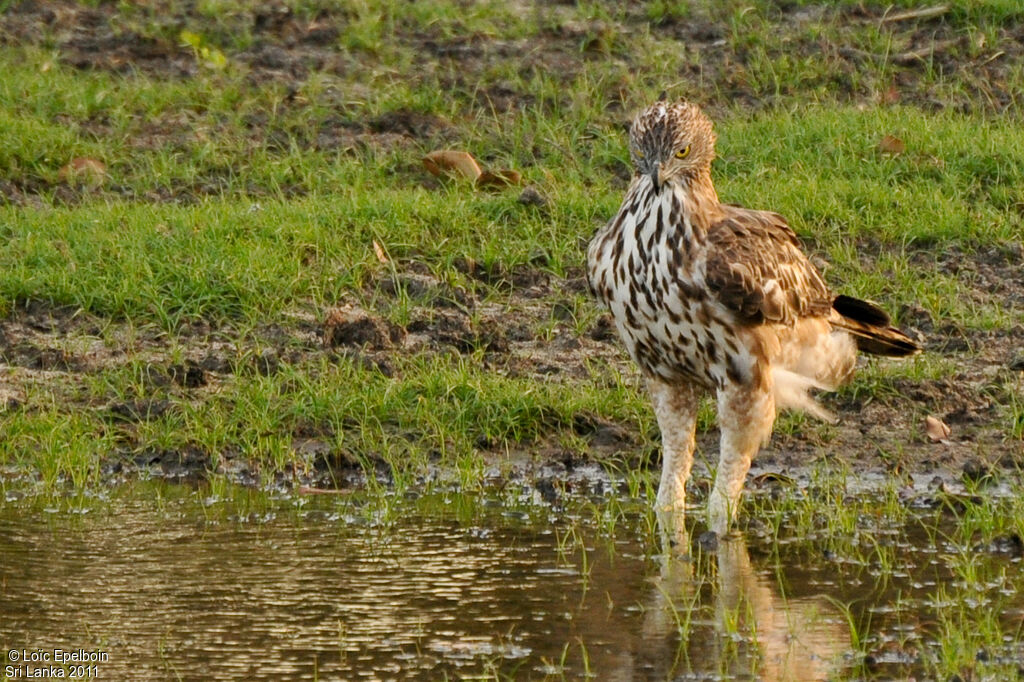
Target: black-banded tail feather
x=871, y=328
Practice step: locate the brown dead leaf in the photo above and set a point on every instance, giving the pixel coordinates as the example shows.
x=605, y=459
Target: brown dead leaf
x=891, y=144
x=504, y=177
x=83, y=169
x=453, y=163
x=379, y=251
x=937, y=430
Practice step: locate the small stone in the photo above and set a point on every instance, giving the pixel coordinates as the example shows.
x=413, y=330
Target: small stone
x=547, y=490
x=531, y=197
x=975, y=470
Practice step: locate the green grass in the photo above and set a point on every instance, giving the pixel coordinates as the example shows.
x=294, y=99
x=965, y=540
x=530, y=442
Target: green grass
x=237, y=255
x=243, y=202
x=440, y=408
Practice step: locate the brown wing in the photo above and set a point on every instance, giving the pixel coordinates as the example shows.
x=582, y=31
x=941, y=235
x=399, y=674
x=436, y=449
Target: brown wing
x=756, y=269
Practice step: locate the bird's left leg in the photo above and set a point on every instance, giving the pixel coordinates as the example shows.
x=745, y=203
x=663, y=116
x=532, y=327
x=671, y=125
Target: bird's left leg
x=746, y=414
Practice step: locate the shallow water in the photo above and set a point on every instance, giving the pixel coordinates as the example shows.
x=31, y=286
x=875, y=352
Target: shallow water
x=168, y=581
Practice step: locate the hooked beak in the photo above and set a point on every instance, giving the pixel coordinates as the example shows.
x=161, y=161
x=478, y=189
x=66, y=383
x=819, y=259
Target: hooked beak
x=655, y=180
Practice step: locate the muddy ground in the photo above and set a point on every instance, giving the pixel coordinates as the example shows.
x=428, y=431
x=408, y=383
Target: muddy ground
x=287, y=47
x=51, y=349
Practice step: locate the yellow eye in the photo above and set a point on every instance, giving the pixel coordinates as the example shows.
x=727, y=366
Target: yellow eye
x=683, y=153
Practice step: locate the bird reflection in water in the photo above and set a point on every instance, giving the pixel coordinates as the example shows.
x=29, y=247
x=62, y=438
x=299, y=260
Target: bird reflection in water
x=755, y=630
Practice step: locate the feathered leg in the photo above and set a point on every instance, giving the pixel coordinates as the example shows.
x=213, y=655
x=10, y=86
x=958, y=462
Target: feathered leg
x=676, y=408
x=745, y=416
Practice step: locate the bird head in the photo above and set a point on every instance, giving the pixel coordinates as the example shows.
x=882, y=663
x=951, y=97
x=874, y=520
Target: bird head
x=671, y=142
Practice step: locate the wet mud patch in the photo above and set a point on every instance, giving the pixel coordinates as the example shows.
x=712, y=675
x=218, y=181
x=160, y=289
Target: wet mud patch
x=184, y=465
x=87, y=39
x=28, y=355
x=446, y=328
x=134, y=411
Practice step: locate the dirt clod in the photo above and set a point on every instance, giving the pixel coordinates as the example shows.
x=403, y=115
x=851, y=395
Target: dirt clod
x=563, y=310
x=603, y=433
x=444, y=328
x=188, y=375
x=411, y=123
x=139, y=410
x=975, y=470
x=351, y=326
x=603, y=329
x=531, y=196
x=10, y=399
x=216, y=363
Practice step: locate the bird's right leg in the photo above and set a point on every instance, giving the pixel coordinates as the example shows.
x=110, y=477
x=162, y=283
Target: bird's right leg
x=675, y=405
